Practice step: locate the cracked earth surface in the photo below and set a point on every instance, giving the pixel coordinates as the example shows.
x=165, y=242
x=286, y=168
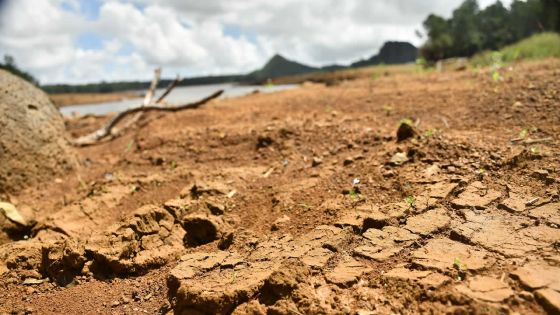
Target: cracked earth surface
x=292, y=203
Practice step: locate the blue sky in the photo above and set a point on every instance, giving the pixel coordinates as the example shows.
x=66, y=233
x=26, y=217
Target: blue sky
x=79, y=41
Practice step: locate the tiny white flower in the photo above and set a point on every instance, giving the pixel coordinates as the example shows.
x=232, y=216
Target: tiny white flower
x=355, y=182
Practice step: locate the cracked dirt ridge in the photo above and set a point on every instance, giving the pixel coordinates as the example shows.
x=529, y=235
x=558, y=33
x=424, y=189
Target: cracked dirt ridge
x=260, y=213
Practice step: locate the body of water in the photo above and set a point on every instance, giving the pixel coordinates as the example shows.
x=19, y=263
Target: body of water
x=179, y=95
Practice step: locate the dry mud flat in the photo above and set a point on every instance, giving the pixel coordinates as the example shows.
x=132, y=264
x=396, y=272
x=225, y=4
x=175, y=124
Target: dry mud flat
x=251, y=205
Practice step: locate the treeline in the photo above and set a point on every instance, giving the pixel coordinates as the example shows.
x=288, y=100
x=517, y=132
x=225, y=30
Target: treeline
x=471, y=30
x=10, y=66
x=107, y=87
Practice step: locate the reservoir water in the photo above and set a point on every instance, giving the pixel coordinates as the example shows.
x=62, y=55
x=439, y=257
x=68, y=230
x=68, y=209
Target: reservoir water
x=179, y=95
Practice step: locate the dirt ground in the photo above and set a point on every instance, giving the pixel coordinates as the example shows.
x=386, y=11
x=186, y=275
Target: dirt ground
x=304, y=202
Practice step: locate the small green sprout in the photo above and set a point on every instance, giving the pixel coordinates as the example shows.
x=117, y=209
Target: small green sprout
x=429, y=133
x=354, y=194
x=410, y=201
x=134, y=188
x=496, y=76
x=388, y=109
x=458, y=265
x=173, y=165
x=535, y=151
x=269, y=84
x=406, y=121
x=524, y=133
x=83, y=184
x=481, y=171
x=129, y=146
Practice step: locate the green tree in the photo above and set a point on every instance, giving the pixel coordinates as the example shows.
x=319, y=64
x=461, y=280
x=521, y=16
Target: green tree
x=467, y=38
x=439, y=41
x=524, y=18
x=494, y=26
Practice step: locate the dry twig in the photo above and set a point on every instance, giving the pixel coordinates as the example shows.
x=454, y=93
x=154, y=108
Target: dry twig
x=109, y=131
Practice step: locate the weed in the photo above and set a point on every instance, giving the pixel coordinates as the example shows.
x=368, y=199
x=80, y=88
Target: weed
x=537, y=46
x=535, y=151
x=524, y=133
x=354, y=194
x=410, y=201
x=430, y=132
x=496, y=77
x=134, y=188
x=83, y=185
x=388, y=109
x=173, y=165
x=406, y=121
x=129, y=146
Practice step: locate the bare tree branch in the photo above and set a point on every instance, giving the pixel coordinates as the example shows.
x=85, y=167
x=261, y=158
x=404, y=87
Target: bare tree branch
x=152, y=89
x=105, y=131
x=169, y=88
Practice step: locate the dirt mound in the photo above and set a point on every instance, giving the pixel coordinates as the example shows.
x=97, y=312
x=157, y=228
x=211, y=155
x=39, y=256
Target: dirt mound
x=33, y=145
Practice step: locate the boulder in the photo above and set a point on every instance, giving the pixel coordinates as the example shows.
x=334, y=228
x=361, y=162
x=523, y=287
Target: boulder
x=33, y=143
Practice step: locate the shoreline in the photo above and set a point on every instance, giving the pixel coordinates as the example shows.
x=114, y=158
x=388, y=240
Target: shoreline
x=70, y=99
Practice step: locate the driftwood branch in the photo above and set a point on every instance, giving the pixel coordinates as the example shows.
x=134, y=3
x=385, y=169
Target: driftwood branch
x=109, y=131
x=169, y=88
x=105, y=131
x=117, y=131
x=147, y=100
x=150, y=94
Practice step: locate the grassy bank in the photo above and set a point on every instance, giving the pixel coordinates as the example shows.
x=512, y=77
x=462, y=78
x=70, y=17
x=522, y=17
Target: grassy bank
x=538, y=46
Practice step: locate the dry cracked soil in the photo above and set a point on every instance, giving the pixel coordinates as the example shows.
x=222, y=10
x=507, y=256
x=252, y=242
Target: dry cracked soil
x=304, y=202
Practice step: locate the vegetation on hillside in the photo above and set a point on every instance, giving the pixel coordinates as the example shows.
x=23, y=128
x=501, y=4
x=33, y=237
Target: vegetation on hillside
x=537, y=46
x=471, y=30
x=10, y=66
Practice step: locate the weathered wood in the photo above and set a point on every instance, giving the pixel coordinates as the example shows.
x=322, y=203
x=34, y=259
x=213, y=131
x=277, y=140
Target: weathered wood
x=105, y=131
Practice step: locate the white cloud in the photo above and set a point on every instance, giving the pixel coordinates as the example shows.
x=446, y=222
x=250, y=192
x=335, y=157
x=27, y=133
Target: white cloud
x=191, y=37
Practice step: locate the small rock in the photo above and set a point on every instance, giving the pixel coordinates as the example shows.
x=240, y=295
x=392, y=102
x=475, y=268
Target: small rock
x=549, y=299
x=215, y=207
x=11, y=212
x=316, y=162
x=347, y=161
x=202, y=229
x=280, y=222
x=405, y=130
x=398, y=158
x=542, y=174
x=264, y=141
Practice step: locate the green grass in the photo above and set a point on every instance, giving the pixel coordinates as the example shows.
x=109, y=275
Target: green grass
x=538, y=46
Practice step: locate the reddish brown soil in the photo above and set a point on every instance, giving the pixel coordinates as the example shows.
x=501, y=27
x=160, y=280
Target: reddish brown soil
x=469, y=239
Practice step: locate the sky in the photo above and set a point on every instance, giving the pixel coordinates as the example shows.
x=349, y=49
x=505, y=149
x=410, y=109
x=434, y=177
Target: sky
x=82, y=41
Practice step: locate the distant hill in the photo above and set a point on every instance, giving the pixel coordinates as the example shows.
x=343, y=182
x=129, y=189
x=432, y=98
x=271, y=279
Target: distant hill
x=279, y=66
x=390, y=53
